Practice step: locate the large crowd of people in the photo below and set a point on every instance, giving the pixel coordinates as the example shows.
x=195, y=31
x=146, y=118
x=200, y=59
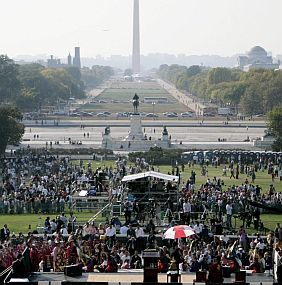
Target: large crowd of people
x=42, y=183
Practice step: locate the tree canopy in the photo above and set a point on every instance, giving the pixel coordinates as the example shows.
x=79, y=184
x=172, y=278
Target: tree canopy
x=9, y=82
x=96, y=75
x=275, y=126
x=32, y=86
x=256, y=92
x=11, y=128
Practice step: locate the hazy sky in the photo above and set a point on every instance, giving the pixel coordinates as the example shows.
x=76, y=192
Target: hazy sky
x=223, y=27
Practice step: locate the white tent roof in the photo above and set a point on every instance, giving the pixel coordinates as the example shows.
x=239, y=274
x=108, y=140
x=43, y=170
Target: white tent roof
x=150, y=174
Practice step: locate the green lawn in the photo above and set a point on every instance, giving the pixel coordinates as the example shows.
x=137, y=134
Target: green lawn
x=262, y=178
x=127, y=107
x=20, y=223
x=122, y=94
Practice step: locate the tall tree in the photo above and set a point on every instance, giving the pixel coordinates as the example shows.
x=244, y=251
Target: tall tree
x=9, y=83
x=11, y=128
x=275, y=126
x=219, y=75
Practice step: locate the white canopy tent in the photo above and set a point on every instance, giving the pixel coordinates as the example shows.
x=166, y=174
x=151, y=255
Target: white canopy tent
x=150, y=174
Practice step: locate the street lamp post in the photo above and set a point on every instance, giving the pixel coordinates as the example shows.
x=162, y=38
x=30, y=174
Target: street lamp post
x=154, y=103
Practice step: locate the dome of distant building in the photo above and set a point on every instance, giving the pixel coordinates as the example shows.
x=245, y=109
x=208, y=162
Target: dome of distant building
x=256, y=58
x=257, y=52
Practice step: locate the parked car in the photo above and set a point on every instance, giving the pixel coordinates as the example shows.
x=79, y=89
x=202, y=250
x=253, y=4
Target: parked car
x=121, y=115
x=151, y=115
x=102, y=115
x=172, y=115
x=187, y=115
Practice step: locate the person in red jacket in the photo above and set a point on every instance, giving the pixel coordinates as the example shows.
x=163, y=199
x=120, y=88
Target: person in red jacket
x=215, y=272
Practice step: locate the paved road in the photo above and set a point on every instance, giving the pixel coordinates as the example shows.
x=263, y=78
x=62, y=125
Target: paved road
x=152, y=123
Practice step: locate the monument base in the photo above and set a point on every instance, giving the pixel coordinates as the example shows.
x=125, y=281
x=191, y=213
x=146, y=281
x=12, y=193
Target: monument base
x=136, y=140
x=136, y=131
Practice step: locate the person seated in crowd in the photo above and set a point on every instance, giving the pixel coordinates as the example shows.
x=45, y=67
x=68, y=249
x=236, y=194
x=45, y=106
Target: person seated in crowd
x=164, y=260
x=102, y=265
x=125, y=259
x=112, y=265
x=215, y=272
x=136, y=262
x=194, y=265
x=255, y=265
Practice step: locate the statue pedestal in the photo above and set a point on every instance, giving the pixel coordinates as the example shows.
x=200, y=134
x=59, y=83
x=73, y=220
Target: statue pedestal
x=136, y=132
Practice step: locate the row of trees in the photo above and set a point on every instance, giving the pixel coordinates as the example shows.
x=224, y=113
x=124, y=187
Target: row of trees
x=32, y=86
x=256, y=92
x=96, y=75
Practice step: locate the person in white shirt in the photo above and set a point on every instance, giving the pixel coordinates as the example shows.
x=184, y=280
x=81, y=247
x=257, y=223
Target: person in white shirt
x=64, y=230
x=139, y=233
x=187, y=211
x=123, y=230
x=260, y=245
x=198, y=228
x=110, y=235
x=229, y=214
x=224, y=238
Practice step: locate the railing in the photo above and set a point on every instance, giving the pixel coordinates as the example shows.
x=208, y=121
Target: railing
x=100, y=212
x=4, y=274
x=8, y=277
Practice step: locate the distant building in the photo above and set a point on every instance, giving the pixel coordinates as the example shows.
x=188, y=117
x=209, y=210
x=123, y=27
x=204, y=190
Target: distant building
x=76, y=59
x=257, y=58
x=69, y=60
x=54, y=62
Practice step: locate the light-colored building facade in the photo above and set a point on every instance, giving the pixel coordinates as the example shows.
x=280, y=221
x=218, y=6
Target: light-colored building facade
x=257, y=57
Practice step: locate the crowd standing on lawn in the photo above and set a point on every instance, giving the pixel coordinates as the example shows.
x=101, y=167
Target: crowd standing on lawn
x=42, y=183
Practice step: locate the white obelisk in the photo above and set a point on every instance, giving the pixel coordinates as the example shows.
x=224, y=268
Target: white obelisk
x=136, y=40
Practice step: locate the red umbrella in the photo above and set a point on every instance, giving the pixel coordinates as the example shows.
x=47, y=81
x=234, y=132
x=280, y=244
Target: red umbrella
x=180, y=231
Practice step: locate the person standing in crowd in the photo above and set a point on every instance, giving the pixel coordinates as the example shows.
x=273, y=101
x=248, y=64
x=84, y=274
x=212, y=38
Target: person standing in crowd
x=139, y=234
x=71, y=253
x=19, y=269
x=34, y=258
x=127, y=211
x=229, y=209
x=59, y=257
x=278, y=232
x=71, y=223
x=187, y=211
x=5, y=233
x=110, y=235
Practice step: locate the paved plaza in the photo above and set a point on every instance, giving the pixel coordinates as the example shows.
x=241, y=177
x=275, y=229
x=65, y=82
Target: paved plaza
x=191, y=134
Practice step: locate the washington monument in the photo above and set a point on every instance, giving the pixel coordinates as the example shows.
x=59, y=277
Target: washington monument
x=136, y=40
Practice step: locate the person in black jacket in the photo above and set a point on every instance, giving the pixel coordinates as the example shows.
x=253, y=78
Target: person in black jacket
x=4, y=233
x=19, y=270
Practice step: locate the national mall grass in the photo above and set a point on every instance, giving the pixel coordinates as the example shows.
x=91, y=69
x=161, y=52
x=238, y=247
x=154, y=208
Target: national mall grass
x=20, y=223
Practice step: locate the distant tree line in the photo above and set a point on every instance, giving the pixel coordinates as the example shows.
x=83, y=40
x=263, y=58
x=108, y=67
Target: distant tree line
x=32, y=86
x=94, y=76
x=257, y=91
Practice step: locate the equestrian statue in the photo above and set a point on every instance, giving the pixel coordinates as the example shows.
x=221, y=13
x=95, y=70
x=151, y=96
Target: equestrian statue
x=135, y=103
